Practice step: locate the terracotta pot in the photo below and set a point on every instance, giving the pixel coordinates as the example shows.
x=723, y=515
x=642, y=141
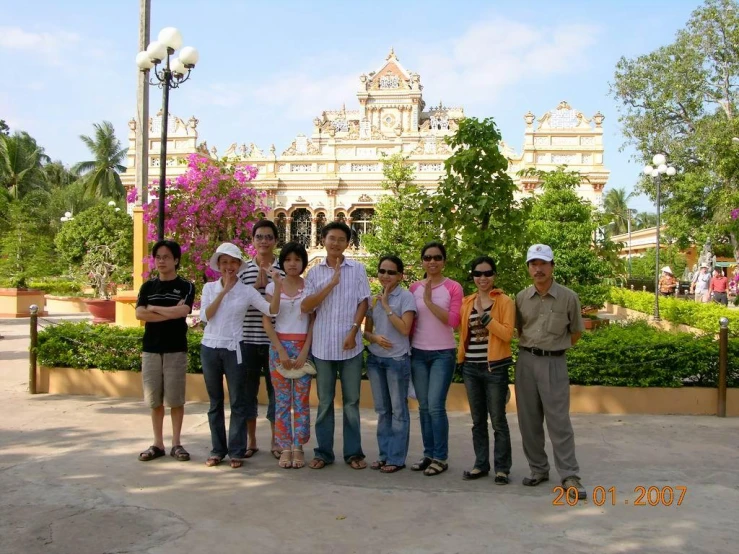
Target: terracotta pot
x=103, y=311
x=591, y=324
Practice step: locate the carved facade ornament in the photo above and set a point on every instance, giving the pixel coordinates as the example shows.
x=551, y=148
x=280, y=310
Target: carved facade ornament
x=300, y=200
x=365, y=198
x=529, y=118
x=132, y=124
x=192, y=123
x=598, y=118
x=301, y=146
x=202, y=148
x=230, y=151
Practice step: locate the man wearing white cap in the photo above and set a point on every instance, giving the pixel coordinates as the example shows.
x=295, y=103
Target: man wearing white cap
x=549, y=322
x=700, y=284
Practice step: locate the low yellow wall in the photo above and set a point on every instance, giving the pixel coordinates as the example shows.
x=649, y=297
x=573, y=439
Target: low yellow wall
x=65, y=305
x=585, y=400
x=17, y=303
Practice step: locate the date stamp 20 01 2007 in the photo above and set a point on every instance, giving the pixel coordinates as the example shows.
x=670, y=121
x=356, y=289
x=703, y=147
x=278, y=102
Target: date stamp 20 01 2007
x=645, y=496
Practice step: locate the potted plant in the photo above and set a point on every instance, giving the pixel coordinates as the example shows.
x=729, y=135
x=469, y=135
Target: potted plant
x=99, y=266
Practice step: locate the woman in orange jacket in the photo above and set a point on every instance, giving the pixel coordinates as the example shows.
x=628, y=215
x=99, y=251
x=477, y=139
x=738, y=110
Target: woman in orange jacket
x=487, y=321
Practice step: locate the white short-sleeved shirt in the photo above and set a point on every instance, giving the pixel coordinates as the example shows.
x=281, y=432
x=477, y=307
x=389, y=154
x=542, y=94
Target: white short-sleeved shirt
x=290, y=320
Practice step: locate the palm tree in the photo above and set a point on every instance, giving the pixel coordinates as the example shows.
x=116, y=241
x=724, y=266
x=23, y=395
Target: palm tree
x=644, y=220
x=616, y=209
x=21, y=164
x=101, y=176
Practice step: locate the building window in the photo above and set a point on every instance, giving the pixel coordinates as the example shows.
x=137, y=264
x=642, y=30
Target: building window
x=281, y=222
x=361, y=224
x=320, y=222
x=300, y=229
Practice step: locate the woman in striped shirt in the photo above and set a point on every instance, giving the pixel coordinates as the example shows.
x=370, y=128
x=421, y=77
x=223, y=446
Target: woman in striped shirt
x=488, y=318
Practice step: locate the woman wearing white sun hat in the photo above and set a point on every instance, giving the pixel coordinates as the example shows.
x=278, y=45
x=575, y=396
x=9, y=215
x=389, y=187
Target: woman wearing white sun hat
x=667, y=282
x=223, y=305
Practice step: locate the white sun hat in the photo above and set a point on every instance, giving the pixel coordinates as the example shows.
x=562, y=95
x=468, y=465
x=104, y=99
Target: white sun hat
x=667, y=269
x=229, y=249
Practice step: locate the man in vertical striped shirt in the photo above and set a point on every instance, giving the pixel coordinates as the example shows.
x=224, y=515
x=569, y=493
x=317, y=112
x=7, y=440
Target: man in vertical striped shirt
x=255, y=343
x=338, y=290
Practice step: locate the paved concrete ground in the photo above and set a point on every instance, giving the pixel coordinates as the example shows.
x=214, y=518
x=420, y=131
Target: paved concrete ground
x=70, y=483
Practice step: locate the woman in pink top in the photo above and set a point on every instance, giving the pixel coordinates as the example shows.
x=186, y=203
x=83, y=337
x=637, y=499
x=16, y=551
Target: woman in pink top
x=433, y=355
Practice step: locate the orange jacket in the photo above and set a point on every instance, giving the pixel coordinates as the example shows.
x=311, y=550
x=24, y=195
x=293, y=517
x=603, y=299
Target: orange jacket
x=500, y=328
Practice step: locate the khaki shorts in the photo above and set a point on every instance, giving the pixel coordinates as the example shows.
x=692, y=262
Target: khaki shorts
x=164, y=378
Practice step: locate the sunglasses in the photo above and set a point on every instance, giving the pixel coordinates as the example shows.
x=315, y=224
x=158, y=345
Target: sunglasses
x=488, y=273
x=435, y=257
x=390, y=272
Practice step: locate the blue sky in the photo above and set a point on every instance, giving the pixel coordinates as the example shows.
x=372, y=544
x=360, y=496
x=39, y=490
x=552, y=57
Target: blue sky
x=267, y=69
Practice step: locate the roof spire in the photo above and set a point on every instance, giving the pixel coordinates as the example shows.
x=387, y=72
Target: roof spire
x=392, y=55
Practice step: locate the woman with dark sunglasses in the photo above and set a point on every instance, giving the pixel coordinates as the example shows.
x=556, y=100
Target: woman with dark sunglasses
x=387, y=327
x=438, y=300
x=487, y=320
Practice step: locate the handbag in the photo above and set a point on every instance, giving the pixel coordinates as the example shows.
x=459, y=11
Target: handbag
x=306, y=369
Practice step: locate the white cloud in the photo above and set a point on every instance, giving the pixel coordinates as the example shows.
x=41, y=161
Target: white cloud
x=47, y=44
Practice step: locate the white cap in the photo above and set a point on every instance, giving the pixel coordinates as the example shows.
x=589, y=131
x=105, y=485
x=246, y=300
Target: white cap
x=704, y=265
x=539, y=252
x=229, y=249
x=667, y=269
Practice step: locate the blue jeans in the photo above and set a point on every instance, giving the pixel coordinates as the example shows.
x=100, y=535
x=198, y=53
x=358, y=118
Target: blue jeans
x=218, y=362
x=389, y=378
x=350, y=373
x=486, y=392
x=432, y=372
x=255, y=359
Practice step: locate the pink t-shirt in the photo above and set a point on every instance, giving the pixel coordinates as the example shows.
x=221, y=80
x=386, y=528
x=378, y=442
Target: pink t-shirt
x=429, y=332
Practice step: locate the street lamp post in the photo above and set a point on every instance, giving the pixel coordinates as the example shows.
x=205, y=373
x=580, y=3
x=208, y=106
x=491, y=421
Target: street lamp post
x=660, y=168
x=629, y=211
x=172, y=74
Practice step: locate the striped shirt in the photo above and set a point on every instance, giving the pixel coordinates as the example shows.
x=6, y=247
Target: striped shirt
x=477, y=350
x=253, y=329
x=335, y=315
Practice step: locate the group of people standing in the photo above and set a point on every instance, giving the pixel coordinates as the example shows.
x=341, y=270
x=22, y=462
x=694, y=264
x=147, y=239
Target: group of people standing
x=263, y=318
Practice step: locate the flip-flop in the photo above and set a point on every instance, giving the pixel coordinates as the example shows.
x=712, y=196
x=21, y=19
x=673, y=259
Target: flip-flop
x=250, y=452
x=388, y=468
x=357, y=463
x=151, y=453
x=317, y=463
x=236, y=463
x=213, y=461
x=379, y=464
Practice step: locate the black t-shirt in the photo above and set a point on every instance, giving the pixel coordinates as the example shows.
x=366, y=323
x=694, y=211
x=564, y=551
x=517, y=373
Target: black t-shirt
x=170, y=335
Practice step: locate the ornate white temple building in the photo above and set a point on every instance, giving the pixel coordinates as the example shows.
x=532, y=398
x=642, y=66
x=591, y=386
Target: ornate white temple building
x=335, y=174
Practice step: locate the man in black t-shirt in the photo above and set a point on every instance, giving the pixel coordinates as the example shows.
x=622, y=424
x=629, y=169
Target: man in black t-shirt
x=164, y=303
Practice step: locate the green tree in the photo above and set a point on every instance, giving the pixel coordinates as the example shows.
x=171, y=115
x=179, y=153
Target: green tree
x=475, y=209
x=561, y=219
x=98, y=226
x=616, y=210
x=681, y=99
x=4, y=129
x=398, y=226
x=644, y=265
x=21, y=164
x=101, y=175
x=644, y=220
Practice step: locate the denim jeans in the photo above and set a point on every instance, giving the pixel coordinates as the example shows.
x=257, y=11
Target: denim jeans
x=255, y=359
x=218, y=362
x=486, y=392
x=350, y=373
x=432, y=372
x=389, y=378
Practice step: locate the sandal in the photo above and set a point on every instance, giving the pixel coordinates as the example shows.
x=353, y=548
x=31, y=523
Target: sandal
x=387, y=468
x=276, y=453
x=179, y=453
x=213, y=461
x=236, y=463
x=250, y=452
x=298, y=458
x=317, y=463
x=286, y=459
x=435, y=468
x=379, y=464
x=421, y=464
x=357, y=463
x=151, y=453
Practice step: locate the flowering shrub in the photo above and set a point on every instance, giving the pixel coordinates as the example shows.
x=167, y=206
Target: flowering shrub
x=213, y=202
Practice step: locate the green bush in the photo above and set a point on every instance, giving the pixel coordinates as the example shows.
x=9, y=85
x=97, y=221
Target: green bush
x=631, y=355
x=674, y=310
x=57, y=286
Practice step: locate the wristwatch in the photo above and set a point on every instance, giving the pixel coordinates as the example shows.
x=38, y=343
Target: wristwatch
x=389, y=313
x=355, y=325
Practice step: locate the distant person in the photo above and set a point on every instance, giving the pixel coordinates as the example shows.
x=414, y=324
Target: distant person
x=667, y=282
x=549, y=322
x=163, y=304
x=488, y=318
x=337, y=290
x=701, y=283
x=718, y=288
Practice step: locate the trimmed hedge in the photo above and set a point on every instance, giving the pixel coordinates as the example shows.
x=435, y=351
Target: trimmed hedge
x=56, y=286
x=694, y=314
x=631, y=355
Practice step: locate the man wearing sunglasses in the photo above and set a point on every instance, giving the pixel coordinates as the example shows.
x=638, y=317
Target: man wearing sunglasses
x=549, y=322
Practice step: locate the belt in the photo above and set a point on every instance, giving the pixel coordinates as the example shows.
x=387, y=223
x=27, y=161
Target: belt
x=540, y=352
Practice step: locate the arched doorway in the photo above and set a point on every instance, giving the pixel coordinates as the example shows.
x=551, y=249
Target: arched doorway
x=300, y=229
x=320, y=222
x=281, y=222
x=361, y=224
